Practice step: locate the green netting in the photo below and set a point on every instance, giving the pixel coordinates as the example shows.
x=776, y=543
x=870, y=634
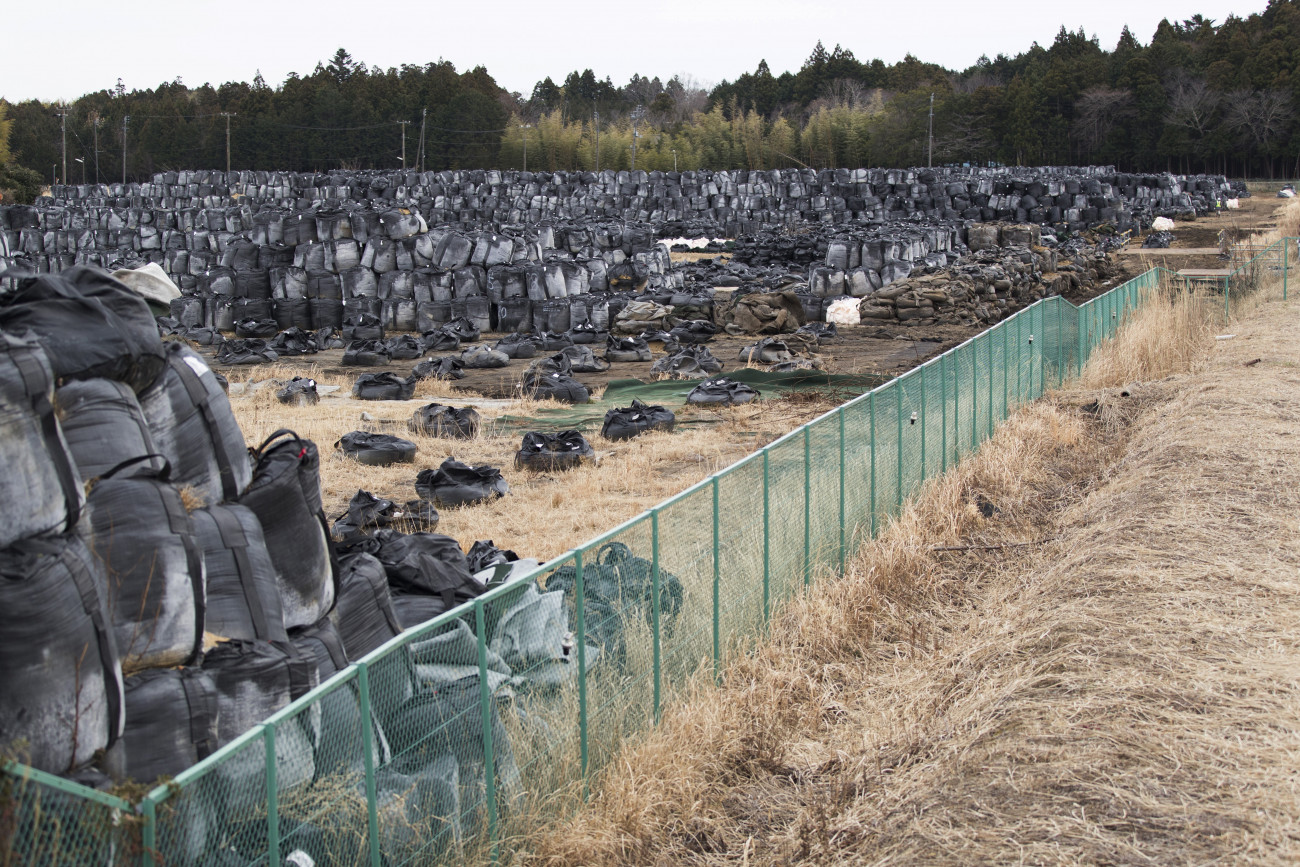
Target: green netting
x=459, y=738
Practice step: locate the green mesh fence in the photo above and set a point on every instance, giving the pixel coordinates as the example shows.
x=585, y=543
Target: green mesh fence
x=459, y=738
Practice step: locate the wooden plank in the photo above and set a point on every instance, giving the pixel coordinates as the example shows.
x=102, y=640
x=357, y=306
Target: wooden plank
x=1205, y=272
x=1172, y=251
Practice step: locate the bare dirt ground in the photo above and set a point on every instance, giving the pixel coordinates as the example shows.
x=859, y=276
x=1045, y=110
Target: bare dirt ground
x=1106, y=670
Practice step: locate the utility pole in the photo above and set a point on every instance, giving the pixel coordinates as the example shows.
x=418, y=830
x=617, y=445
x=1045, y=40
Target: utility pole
x=674, y=159
x=83, y=169
x=929, y=160
x=63, y=135
x=596, y=112
x=636, y=116
x=402, y=124
x=523, y=129
x=126, y=119
x=424, y=115
x=96, y=127
x=228, y=115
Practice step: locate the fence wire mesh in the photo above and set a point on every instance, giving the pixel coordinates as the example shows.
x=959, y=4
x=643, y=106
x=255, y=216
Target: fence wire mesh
x=460, y=737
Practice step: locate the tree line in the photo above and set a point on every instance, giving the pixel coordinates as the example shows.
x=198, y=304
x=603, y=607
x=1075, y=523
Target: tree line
x=1200, y=96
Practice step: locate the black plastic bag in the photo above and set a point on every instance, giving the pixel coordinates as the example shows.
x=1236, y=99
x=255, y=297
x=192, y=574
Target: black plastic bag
x=691, y=362
x=90, y=325
x=626, y=422
x=484, y=554
x=376, y=449
x=368, y=512
x=59, y=670
x=365, y=608
x=366, y=353
x=145, y=537
x=447, y=367
x=555, y=386
x=362, y=326
x=447, y=422
x=463, y=329
x=285, y=496
x=383, y=386
x=587, y=333
x=299, y=391
x=264, y=328
x=722, y=392
x=439, y=340
x=625, y=349
x=171, y=722
x=481, y=357
x=694, y=331
x=404, y=347
x=243, y=596
x=330, y=338
x=294, y=341
x=457, y=484
x=551, y=341
x=427, y=564
x=768, y=350
x=583, y=360
x=254, y=350
x=562, y=451
x=516, y=346
x=193, y=427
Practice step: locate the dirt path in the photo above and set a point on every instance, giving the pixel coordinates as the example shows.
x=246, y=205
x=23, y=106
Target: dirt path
x=1106, y=671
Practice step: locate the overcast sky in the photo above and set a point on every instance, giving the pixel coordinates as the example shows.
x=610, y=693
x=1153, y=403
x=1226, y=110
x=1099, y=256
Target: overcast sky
x=64, y=49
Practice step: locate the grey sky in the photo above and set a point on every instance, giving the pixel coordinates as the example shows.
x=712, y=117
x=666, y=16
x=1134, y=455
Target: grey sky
x=67, y=48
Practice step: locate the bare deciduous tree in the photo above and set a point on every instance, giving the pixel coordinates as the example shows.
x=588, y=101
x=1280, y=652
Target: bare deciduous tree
x=1192, y=103
x=1096, y=113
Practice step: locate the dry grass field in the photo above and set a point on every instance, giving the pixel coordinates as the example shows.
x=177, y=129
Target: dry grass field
x=1104, y=671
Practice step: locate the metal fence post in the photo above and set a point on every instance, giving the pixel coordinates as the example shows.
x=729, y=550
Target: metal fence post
x=921, y=414
x=974, y=394
x=989, y=341
x=943, y=411
x=1286, y=265
x=485, y=711
x=843, y=517
x=767, y=537
x=807, y=505
x=272, y=796
x=149, y=833
x=580, y=611
x=717, y=587
x=898, y=412
x=368, y=761
x=871, y=408
x=654, y=610
x=1227, y=316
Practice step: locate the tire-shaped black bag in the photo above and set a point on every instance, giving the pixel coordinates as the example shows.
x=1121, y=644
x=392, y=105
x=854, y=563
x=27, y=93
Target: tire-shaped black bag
x=376, y=449
x=366, y=353
x=362, y=326
x=694, y=331
x=465, y=330
x=516, y=346
x=171, y=722
x=439, y=340
x=90, y=325
x=587, y=333
x=482, y=358
x=253, y=350
x=448, y=367
x=156, y=590
x=456, y=484
x=555, y=386
x=263, y=328
x=583, y=360
x=59, y=670
x=193, y=427
x=299, y=391
x=404, y=347
x=40, y=487
x=368, y=512
x=243, y=599
x=285, y=497
x=103, y=425
x=565, y=450
x=294, y=341
x=692, y=362
x=625, y=349
x=383, y=386
x=447, y=422
x=623, y=423
x=722, y=392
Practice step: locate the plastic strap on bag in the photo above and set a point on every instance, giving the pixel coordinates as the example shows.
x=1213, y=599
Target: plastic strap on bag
x=235, y=541
x=113, y=689
x=200, y=398
x=202, y=716
x=36, y=381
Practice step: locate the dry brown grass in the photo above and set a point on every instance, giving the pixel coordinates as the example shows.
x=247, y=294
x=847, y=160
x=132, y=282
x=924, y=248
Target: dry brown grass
x=1103, y=672
x=545, y=514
